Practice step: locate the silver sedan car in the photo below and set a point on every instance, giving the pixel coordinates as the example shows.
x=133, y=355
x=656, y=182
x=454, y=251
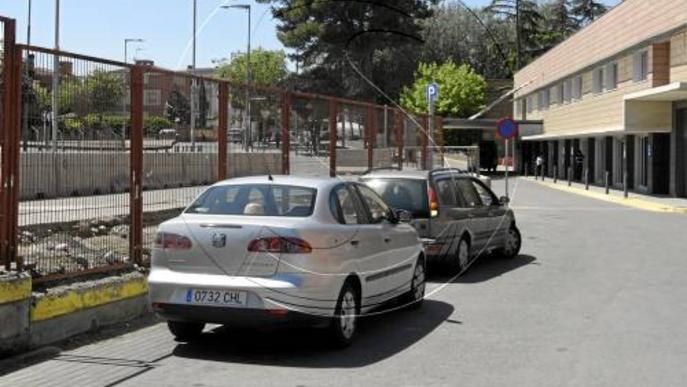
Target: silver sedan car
x=284, y=249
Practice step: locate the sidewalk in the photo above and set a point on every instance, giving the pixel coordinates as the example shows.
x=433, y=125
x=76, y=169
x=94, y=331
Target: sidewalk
x=636, y=200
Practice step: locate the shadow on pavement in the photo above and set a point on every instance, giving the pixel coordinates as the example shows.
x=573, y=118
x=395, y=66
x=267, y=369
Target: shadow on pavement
x=380, y=336
x=484, y=269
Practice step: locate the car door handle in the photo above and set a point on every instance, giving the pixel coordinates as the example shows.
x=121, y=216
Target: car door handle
x=355, y=242
x=387, y=239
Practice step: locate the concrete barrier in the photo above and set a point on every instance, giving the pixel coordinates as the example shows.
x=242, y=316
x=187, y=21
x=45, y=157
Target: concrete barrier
x=44, y=175
x=382, y=157
x=15, y=300
x=31, y=320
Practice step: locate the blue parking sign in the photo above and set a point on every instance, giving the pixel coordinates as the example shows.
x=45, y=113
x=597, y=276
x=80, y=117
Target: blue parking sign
x=432, y=92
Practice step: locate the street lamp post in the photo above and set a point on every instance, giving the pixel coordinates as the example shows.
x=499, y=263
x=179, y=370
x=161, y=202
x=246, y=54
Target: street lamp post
x=248, y=135
x=126, y=60
x=55, y=77
x=193, y=80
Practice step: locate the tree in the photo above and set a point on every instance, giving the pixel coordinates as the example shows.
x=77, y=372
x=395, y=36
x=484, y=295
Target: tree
x=474, y=37
x=462, y=91
x=203, y=106
x=379, y=37
x=268, y=67
x=177, y=107
x=104, y=92
x=586, y=11
x=557, y=26
x=526, y=32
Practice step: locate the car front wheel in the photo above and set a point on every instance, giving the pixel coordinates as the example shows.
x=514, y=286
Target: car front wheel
x=512, y=243
x=461, y=259
x=416, y=295
x=185, y=331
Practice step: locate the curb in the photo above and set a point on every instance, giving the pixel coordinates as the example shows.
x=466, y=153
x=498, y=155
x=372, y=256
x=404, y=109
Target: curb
x=629, y=202
x=61, y=302
x=30, y=320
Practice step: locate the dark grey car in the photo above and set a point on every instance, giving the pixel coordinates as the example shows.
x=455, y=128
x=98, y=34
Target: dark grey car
x=457, y=216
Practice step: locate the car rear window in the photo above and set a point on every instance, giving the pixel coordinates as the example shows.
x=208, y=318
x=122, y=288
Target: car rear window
x=255, y=200
x=405, y=194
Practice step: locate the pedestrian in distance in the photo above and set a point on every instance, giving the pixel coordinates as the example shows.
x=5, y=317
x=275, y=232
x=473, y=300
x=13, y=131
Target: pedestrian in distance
x=540, y=165
x=579, y=164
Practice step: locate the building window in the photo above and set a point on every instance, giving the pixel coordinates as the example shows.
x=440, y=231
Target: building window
x=600, y=160
x=597, y=80
x=640, y=66
x=611, y=76
x=559, y=94
x=577, y=87
x=543, y=99
x=152, y=97
x=567, y=90
x=618, y=161
x=642, y=153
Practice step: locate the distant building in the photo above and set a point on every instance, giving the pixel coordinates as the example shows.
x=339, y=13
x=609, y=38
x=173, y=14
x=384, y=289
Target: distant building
x=613, y=100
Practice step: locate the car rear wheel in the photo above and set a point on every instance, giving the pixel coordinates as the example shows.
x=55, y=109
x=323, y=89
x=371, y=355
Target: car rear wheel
x=185, y=331
x=344, y=325
x=512, y=243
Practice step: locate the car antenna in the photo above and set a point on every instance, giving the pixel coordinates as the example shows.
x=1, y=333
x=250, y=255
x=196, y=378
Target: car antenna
x=269, y=176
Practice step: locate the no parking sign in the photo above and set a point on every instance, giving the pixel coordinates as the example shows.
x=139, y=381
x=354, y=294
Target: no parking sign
x=507, y=128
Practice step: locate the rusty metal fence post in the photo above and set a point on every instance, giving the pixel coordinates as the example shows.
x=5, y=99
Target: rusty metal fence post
x=10, y=136
x=439, y=137
x=286, y=133
x=333, y=112
x=136, y=166
x=424, y=136
x=370, y=125
x=398, y=133
x=223, y=119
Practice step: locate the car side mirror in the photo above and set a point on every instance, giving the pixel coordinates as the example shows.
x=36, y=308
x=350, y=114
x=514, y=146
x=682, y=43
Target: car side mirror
x=402, y=216
x=504, y=200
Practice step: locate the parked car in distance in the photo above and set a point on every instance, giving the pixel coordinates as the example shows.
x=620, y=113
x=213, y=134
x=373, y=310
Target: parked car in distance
x=259, y=250
x=167, y=134
x=235, y=135
x=456, y=215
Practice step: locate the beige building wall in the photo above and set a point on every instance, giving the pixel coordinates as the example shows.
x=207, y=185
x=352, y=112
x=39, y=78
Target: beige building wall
x=595, y=112
x=678, y=57
x=629, y=24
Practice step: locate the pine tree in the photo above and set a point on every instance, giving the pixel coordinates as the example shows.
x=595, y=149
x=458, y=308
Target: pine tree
x=586, y=11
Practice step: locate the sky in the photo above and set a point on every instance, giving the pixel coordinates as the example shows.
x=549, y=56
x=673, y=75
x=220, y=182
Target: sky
x=99, y=27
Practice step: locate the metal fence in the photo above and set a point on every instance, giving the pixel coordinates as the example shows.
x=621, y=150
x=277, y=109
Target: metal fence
x=95, y=153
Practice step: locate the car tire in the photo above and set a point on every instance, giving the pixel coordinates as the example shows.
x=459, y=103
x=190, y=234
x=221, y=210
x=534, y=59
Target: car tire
x=512, y=243
x=416, y=296
x=185, y=331
x=344, y=324
x=461, y=259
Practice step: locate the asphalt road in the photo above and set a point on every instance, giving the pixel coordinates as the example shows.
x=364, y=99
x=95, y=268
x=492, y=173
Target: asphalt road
x=597, y=298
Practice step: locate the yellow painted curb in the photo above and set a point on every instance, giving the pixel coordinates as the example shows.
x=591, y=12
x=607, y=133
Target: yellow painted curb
x=15, y=289
x=630, y=202
x=74, y=300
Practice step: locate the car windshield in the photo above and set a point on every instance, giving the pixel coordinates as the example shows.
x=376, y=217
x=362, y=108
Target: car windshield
x=255, y=200
x=405, y=194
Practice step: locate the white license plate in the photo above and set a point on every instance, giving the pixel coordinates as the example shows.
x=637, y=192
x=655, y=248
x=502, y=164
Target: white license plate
x=216, y=297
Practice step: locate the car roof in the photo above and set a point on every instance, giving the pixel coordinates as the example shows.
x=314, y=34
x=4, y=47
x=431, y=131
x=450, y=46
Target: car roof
x=412, y=174
x=391, y=173
x=312, y=182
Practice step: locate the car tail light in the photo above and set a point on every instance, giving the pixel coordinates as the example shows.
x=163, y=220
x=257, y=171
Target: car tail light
x=433, y=202
x=169, y=241
x=279, y=245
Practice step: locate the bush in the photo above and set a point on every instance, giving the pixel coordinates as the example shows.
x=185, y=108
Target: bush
x=153, y=124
